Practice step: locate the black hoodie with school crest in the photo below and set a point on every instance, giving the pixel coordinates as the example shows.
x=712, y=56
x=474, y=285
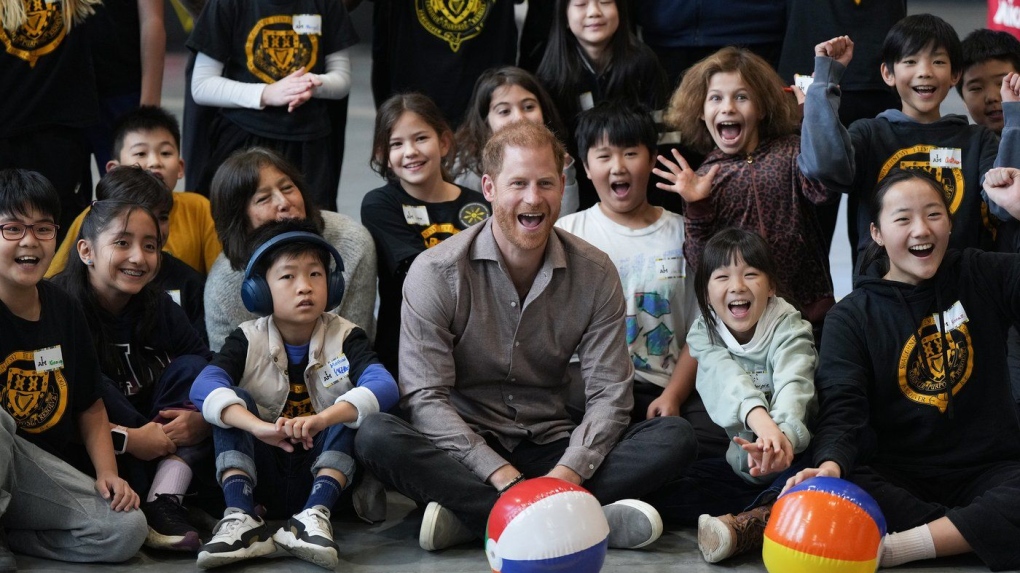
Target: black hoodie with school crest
x=885, y=367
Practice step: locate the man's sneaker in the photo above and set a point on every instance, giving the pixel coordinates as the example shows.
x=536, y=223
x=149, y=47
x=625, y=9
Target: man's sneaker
x=238, y=536
x=440, y=529
x=309, y=536
x=7, y=563
x=728, y=535
x=168, y=525
x=632, y=524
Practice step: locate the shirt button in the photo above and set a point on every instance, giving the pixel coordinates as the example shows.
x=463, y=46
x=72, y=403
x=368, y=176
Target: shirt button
x=517, y=343
x=513, y=304
x=591, y=466
x=510, y=397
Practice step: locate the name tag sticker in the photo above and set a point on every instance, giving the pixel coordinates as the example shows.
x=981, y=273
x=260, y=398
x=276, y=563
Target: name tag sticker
x=669, y=268
x=803, y=82
x=336, y=370
x=49, y=359
x=954, y=316
x=586, y=101
x=416, y=215
x=308, y=24
x=944, y=157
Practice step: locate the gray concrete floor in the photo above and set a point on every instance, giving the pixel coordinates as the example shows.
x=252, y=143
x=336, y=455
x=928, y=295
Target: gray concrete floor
x=392, y=547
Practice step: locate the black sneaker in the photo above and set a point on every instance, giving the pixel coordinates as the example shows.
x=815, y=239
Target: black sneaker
x=168, y=525
x=7, y=563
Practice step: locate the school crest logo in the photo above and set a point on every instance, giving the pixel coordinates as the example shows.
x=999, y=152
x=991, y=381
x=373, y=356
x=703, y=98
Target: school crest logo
x=41, y=33
x=927, y=371
x=473, y=213
x=452, y=21
x=36, y=400
x=275, y=50
x=918, y=157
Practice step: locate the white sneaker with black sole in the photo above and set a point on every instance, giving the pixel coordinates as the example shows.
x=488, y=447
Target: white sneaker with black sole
x=238, y=536
x=309, y=536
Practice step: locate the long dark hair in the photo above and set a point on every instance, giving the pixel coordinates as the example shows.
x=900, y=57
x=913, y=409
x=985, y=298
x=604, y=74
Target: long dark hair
x=389, y=114
x=233, y=186
x=474, y=132
x=876, y=253
x=722, y=250
x=563, y=65
x=75, y=280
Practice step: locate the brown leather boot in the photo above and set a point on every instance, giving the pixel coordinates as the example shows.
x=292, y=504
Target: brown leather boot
x=728, y=535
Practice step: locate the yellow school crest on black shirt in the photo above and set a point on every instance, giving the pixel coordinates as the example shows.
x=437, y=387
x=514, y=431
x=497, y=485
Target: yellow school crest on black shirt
x=41, y=33
x=918, y=157
x=927, y=371
x=275, y=50
x=35, y=399
x=452, y=21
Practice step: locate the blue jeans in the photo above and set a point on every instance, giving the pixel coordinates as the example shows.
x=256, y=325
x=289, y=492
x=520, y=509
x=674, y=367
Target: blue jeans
x=51, y=510
x=283, y=481
x=711, y=486
x=649, y=455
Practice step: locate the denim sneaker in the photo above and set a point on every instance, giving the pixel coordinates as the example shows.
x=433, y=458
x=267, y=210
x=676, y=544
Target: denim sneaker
x=168, y=525
x=238, y=536
x=440, y=529
x=309, y=536
x=728, y=535
x=7, y=563
x=632, y=524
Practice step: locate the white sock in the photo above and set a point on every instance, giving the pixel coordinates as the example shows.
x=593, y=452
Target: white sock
x=906, y=546
x=172, y=476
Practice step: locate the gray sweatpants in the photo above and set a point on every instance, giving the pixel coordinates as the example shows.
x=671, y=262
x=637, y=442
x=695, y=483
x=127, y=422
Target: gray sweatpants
x=51, y=510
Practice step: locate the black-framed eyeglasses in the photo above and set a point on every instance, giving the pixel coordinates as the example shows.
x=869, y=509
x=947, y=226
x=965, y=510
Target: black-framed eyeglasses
x=41, y=231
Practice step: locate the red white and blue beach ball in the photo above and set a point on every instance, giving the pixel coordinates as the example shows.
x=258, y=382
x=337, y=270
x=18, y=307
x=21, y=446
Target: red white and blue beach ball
x=543, y=525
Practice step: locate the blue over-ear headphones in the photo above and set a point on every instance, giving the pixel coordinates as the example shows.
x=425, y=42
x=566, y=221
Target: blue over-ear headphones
x=255, y=292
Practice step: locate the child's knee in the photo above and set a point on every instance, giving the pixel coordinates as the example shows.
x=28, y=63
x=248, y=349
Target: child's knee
x=123, y=535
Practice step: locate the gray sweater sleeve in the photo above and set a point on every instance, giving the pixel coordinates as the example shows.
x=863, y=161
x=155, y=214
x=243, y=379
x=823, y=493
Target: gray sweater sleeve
x=355, y=245
x=224, y=310
x=1009, y=152
x=826, y=152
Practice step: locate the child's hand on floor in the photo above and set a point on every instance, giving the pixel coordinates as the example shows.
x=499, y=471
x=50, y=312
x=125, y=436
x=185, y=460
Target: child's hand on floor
x=1010, y=90
x=840, y=48
x=120, y=494
x=302, y=430
x=684, y=180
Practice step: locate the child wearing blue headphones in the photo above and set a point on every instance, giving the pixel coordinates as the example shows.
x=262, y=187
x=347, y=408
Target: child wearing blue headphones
x=284, y=395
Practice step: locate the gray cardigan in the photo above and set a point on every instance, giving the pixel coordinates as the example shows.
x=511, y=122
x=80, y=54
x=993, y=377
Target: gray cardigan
x=224, y=310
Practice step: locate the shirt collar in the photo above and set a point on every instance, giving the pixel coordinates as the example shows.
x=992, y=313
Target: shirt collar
x=485, y=248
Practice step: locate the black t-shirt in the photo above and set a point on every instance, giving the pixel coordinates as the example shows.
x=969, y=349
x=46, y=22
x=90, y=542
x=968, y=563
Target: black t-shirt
x=43, y=395
x=440, y=48
x=45, y=73
x=257, y=43
x=140, y=363
x=402, y=227
x=116, y=41
x=186, y=287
